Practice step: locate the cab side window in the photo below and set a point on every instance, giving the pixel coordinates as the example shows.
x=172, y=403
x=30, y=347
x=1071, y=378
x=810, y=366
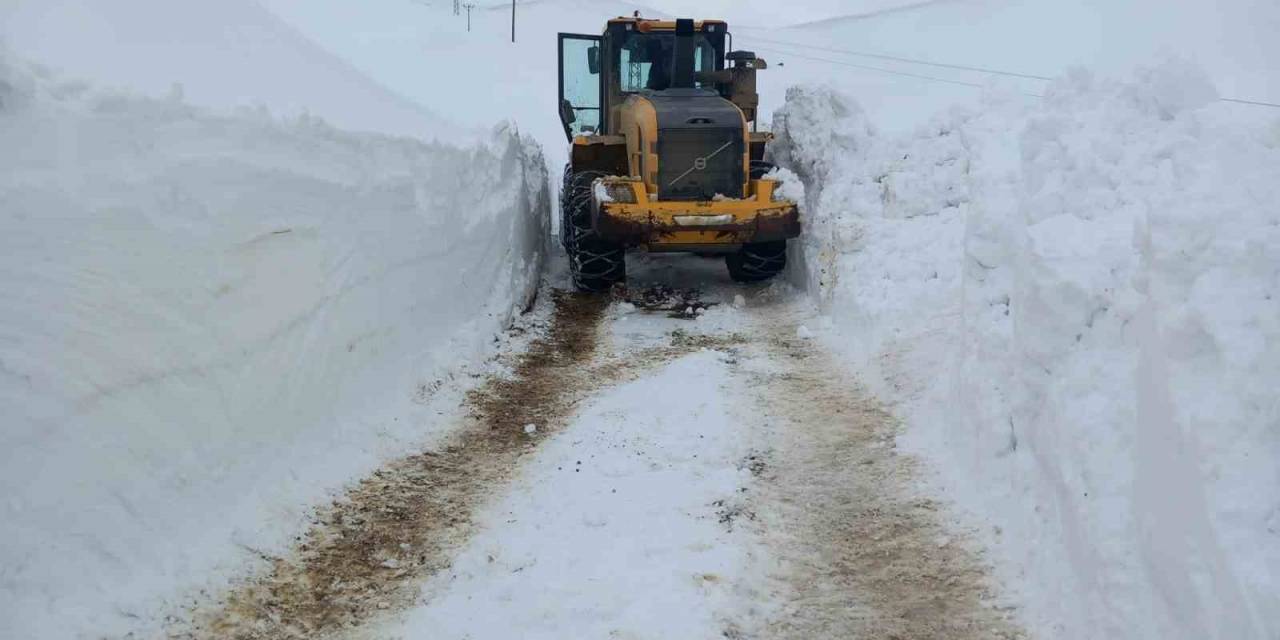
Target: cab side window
x=580, y=100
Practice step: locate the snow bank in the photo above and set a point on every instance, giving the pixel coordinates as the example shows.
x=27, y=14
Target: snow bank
x=1077, y=304
x=208, y=321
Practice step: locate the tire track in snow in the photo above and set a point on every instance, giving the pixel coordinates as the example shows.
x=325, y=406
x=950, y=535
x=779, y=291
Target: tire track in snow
x=859, y=553
x=865, y=555
x=367, y=552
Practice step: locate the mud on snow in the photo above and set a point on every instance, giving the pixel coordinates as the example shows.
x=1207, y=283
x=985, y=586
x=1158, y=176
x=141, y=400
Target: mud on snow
x=853, y=549
x=862, y=553
x=367, y=552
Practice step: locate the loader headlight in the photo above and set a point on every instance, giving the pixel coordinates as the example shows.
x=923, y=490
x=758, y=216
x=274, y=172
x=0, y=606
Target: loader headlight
x=704, y=221
x=606, y=191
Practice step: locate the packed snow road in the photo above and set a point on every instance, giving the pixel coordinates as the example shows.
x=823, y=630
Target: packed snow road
x=678, y=462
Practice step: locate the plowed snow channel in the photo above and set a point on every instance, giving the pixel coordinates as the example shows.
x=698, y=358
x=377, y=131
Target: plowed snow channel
x=728, y=484
x=680, y=461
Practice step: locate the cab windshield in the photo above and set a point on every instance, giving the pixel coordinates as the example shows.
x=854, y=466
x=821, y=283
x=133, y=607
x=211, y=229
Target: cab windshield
x=644, y=60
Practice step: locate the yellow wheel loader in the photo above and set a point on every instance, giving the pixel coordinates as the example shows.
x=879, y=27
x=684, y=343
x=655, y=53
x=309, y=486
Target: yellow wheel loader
x=665, y=155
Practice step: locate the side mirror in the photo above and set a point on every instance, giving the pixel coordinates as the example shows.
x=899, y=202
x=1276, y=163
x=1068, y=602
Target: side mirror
x=567, y=117
x=567, y=114
x=593, y=60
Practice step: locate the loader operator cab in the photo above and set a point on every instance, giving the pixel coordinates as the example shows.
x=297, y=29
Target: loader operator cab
x=651, y=56
x=597, y=73
x=664, y=154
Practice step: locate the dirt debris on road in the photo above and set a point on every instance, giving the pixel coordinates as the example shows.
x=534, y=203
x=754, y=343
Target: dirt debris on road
x=680, y=303
x=862, y=554
x=867, y=557
x=366, y=552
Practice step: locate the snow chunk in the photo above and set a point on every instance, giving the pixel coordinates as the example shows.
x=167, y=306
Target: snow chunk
x=601, y=193
x=789, y=184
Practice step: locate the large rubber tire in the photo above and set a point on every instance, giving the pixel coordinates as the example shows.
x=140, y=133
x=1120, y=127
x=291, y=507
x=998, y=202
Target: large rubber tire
x=758, y=261
x=595, y=263
x=763, y=260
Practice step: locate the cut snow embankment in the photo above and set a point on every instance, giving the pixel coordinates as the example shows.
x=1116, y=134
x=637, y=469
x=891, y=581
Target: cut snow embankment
x=1077, y=304
x=208, y=321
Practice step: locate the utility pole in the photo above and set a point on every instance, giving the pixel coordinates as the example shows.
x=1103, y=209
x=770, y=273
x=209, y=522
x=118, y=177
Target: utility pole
x=469, y=7
x=513, y=20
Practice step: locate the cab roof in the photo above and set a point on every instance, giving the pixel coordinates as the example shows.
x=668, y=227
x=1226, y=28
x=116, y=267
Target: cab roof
x=647, y=24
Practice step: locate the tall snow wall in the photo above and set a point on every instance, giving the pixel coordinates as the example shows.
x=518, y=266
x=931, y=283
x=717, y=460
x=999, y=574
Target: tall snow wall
x=208, y=321
x=1075, y=305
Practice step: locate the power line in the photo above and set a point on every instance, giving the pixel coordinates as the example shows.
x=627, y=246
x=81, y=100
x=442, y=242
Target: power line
x=1252, y=102
x=881, y=56
x=886, y=71
x=942, y=65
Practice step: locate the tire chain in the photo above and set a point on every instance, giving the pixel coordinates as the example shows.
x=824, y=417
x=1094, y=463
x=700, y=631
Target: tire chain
x=593, y=261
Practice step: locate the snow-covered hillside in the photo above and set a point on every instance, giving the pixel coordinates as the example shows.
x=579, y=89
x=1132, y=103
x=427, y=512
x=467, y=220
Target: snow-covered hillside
x=225, y=54
x=423, y=51
x=210, y=320
x=473, y=77
x=1077, y=304
x=907, y=64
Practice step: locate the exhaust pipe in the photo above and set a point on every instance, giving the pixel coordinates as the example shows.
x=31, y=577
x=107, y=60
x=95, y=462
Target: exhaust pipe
x=682, y=75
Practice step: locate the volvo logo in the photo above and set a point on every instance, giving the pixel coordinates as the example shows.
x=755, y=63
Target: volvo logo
x=701, y=163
